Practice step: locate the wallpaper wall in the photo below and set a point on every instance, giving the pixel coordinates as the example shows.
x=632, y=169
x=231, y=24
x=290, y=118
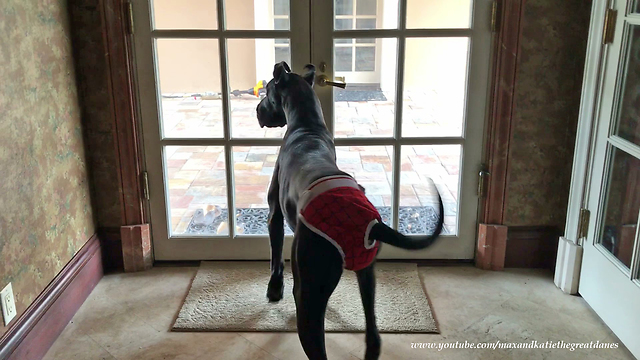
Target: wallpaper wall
x=545, y=115
x=46, y=214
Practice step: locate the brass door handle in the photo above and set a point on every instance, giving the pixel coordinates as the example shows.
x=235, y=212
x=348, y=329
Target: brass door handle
x=323, y=80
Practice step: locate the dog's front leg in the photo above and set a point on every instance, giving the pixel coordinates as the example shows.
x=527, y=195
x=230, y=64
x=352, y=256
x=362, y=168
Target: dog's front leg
x=275, y=289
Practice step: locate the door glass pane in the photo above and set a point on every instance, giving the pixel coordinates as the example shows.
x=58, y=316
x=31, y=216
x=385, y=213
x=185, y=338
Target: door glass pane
x=636, y=6
x=438, y=14
x=629, y=112
x=365, y=58
x=435, y=86
x=281, y=7
x=372, y=169
x=343, y=58
x=250, y=68
x=622, y=206
x=366, y=107
x=252, y=169
x=189, y=82
x=422, y=167
x=257, y=15
x=365, y=14
x=197, y=190
x=185, y=14
x=366, y=7
x=343, y=7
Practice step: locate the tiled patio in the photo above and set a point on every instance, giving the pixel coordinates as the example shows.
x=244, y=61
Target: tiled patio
x=197, y=177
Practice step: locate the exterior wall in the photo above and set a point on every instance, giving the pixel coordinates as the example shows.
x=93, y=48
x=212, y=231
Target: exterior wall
x=44, y=193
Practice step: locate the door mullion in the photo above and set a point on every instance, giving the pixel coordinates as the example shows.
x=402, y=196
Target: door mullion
x=397, y=157
x=226, y=120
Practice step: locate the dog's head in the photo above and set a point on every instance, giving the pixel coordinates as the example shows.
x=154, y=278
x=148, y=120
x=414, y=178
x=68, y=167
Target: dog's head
x=270, y=110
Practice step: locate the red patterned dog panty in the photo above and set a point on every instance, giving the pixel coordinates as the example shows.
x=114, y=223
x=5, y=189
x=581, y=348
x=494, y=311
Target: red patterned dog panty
x=337, y=209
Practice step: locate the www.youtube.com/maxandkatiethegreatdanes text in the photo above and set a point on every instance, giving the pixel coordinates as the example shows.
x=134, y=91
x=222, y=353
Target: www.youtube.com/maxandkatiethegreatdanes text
x=561, y=345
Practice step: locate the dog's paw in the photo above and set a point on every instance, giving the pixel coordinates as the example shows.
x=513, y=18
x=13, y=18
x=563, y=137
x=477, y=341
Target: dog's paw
x=275, y=289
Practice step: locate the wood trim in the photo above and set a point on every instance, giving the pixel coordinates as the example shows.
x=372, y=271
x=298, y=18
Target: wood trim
x=111, y=242
x=531, y=247
x=31, y=336
x=122, y=95
x=501, y=111
x=136, y=247
x=492, y=243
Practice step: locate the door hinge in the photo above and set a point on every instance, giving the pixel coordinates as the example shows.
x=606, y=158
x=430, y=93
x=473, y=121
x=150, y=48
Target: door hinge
x=145, y=184
x=128, y=8
x=609, y=26
x=495, y=13
x=583, y=223
x=482, y=180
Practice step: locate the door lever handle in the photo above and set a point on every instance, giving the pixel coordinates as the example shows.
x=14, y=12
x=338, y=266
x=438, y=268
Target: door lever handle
x=323, y=80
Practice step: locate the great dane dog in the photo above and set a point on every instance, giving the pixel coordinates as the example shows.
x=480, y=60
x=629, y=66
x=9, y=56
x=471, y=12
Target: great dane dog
x=336, y=227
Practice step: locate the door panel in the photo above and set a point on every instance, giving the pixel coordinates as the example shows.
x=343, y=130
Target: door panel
x=435, y=86
x=428, y=104
x=365, y=108
x=609, y=272
x=182, y=115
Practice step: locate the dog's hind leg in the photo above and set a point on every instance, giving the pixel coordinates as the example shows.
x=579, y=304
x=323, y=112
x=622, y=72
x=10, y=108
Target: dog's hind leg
x=318, y=269
x=275, y=289
x=367, y=283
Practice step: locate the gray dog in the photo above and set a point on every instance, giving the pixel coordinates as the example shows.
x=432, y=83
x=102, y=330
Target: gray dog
x=336, y=227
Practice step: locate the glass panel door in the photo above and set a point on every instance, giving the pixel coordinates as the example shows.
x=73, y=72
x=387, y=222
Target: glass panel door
x=610, y=272
x=414, y=104
x=405, y=124
x=202, y=69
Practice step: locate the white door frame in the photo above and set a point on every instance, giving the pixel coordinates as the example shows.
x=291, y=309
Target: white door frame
x=238, y=246
x=569, y=258
x=582, y=265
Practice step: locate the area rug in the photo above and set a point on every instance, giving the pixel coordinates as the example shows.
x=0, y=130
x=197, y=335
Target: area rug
x=230, y=296
x=413, y=220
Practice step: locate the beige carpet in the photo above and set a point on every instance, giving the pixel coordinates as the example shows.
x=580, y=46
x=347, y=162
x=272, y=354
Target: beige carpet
x=230, y=296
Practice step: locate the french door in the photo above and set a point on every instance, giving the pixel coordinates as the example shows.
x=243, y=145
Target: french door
x=610, y=273
x=409, y=120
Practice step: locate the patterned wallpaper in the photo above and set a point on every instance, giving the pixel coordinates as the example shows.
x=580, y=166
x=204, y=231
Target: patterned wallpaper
x=46, y=214
x=546, y=104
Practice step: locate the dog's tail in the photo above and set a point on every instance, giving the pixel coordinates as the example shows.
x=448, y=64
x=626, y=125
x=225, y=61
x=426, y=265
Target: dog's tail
x=384, y=233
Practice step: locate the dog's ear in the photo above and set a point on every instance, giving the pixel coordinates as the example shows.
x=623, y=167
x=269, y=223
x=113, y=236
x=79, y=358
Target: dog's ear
x=280, y=72
x=309, y=74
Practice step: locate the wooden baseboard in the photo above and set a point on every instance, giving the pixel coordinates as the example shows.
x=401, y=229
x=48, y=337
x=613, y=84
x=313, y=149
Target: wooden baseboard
x=531, y=247
x=40, y=325
x=501, y=246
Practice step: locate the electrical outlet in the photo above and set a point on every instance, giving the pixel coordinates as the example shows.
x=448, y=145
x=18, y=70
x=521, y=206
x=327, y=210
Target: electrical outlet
x=8, y=304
